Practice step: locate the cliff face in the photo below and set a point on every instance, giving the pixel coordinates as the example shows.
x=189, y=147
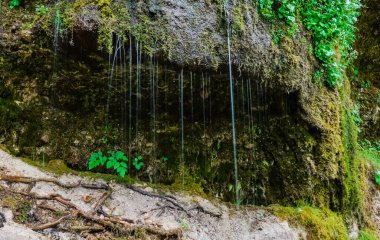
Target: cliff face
x=65, y=98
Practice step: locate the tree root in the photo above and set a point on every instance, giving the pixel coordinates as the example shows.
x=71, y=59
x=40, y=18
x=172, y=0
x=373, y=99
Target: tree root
x=48, y=225
x=153, y=195
x=201, y=209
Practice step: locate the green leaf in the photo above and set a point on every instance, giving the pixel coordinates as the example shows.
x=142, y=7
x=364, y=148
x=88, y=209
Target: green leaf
x=116, y=165
x=122, y=172
x=120, y=155
x=109, y=164
x=377, y=177
x=103, y=160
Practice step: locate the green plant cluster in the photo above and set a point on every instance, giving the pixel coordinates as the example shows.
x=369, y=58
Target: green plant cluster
x=116, y=160
x=332, y=26
x=14, y=3
x=42, y=9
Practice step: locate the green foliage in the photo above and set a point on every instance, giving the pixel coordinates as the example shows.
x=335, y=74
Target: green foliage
x=14, y=3
x=332, y=26
x=41, y=9
x=355, y=115
x=137, y=163
x=116, y=160
x=377, y=177
x=164, y=158
x=367, y=234
x=287, y=11
x=266, y=9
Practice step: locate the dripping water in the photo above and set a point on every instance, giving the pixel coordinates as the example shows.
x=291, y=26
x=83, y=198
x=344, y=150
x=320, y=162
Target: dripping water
x=111, y=76
x=182, y=127
x=57, y=30
x=191, y=97
x=203, y=104
x=232, y=109
x=130, y=99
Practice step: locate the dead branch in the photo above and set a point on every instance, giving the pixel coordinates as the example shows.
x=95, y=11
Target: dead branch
x=28, y=180
x=48, y=225
x=102, y=199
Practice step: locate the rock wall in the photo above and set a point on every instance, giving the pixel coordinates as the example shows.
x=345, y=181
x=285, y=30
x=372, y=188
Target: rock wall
x=300, y=142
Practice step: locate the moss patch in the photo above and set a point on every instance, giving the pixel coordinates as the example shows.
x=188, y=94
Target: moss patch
x=318, y=223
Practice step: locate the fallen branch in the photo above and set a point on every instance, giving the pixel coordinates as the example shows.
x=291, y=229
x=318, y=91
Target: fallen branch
x=102, y=199
x=27, y=180
x=48, y=225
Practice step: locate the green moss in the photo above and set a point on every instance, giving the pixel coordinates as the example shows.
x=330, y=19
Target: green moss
x=354, y=178
x=19, y=206
x=59, y=167
x=238, y=24
x=186, y=182
x=318, y=223
x=367, y=234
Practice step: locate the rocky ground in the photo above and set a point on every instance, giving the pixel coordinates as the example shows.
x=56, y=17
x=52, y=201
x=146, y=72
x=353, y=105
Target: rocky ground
x=39, y=205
